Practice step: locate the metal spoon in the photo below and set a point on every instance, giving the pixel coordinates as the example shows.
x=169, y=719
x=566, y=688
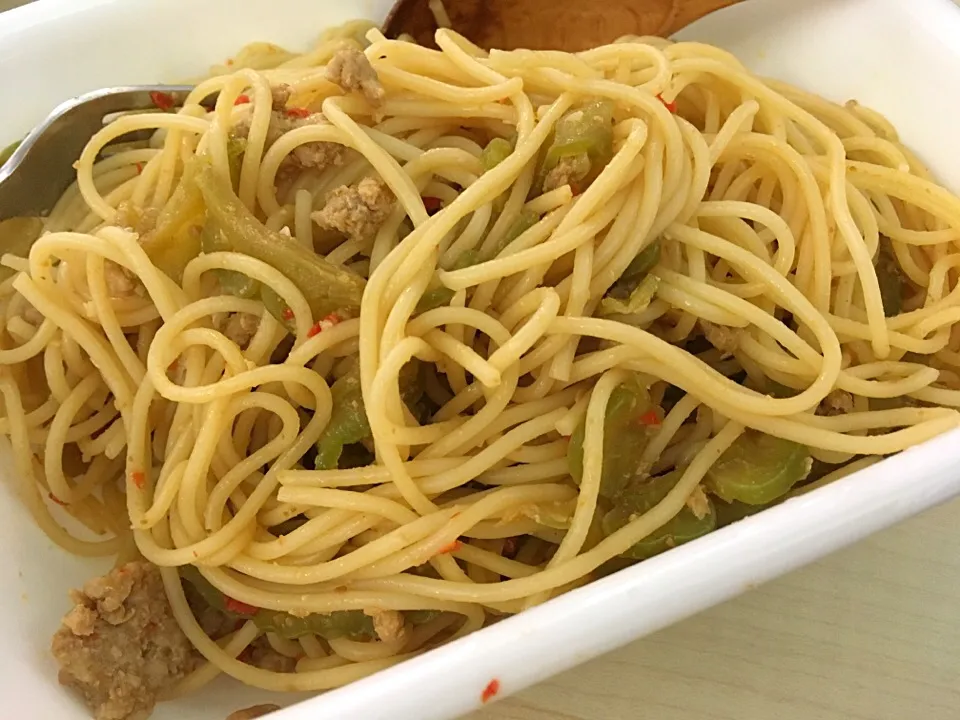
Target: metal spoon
x=37, y=173
x=570, y=25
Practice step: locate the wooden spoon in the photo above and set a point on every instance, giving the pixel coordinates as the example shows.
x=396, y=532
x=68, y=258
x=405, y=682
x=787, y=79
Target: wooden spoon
x=570, y=25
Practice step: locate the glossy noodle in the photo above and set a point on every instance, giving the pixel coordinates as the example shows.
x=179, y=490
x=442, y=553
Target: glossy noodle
x=366, y=361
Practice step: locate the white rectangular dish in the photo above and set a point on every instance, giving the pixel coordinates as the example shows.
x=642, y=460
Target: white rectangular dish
x=901, y=58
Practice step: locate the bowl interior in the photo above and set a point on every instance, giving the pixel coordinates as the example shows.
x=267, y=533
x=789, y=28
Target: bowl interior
x=61, y=48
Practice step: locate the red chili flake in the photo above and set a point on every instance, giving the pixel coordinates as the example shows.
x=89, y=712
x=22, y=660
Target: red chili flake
x=139, y=168
x=452, y=547
x=287, y=314
x=242, y=100
x=316, y=329
x=650, y=418
x=162, y=100
x=57, y=500
x=138, y=478
x=239, y=607
x=671, y=106
x=333, y=319
x=490, y=691
x=432, y=204
x=298, y=112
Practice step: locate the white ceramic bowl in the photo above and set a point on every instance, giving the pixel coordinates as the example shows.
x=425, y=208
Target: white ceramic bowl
x=902, y=58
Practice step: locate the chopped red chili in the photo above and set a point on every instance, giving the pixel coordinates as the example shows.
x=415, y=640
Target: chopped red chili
x=452, y=547
x=287, y=314
x=239, y=607
x=432, y=204
x=671, y=106
x=162, y=100
x=650, y=418
x=138, y=478
x=297, y=112
x=242, y=100
x=333, y=319
x=57, y=500
x=315, y=330
x=139, y=168
x=490, y=691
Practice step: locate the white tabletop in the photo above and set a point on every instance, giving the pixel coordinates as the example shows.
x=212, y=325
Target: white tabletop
x=871, y=633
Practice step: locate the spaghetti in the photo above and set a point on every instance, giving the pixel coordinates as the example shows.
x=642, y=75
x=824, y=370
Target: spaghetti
x=384, y=347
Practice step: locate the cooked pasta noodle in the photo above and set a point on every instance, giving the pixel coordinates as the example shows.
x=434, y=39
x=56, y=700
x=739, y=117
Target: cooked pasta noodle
x=794, y=319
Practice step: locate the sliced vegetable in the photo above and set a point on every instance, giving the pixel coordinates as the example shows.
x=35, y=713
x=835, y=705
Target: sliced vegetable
x=17, y=235
x=625, y=435
x=729, y=513
x=175, y=240
x=758, y=468
x=327, y=287
x=348, y=421
x=236, y=147
x=585, y=131
x=636, y=271
x=496, y=151
x=638, y=301
x=213, y=240
x=525, y=220
x=889, y=278
x=353, y=624
x=641, y=495
x=438, y=295
x=9, y=150
x=342, y=623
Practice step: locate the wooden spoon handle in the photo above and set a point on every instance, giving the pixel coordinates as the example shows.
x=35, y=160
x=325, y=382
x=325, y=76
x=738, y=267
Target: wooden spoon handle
x=570, y=25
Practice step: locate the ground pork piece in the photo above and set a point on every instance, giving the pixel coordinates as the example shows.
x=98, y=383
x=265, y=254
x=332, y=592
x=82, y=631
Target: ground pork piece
x=120, y=646
x=261, y=655
x=310, y=155
x=837, y=402
x=723, y=338
x=120, y=281
x=388, y=624
x=136, y=219
x=241, y=327
x=253, y=712
x=281, y=95
x=698, y=503
x=358, y=210
x=567, y=172
x=350, y=69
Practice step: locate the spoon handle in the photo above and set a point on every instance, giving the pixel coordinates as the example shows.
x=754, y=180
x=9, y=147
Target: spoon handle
x=570, y=25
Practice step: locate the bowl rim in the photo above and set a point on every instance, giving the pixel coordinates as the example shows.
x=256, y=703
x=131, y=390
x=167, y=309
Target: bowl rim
x=539, y=641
